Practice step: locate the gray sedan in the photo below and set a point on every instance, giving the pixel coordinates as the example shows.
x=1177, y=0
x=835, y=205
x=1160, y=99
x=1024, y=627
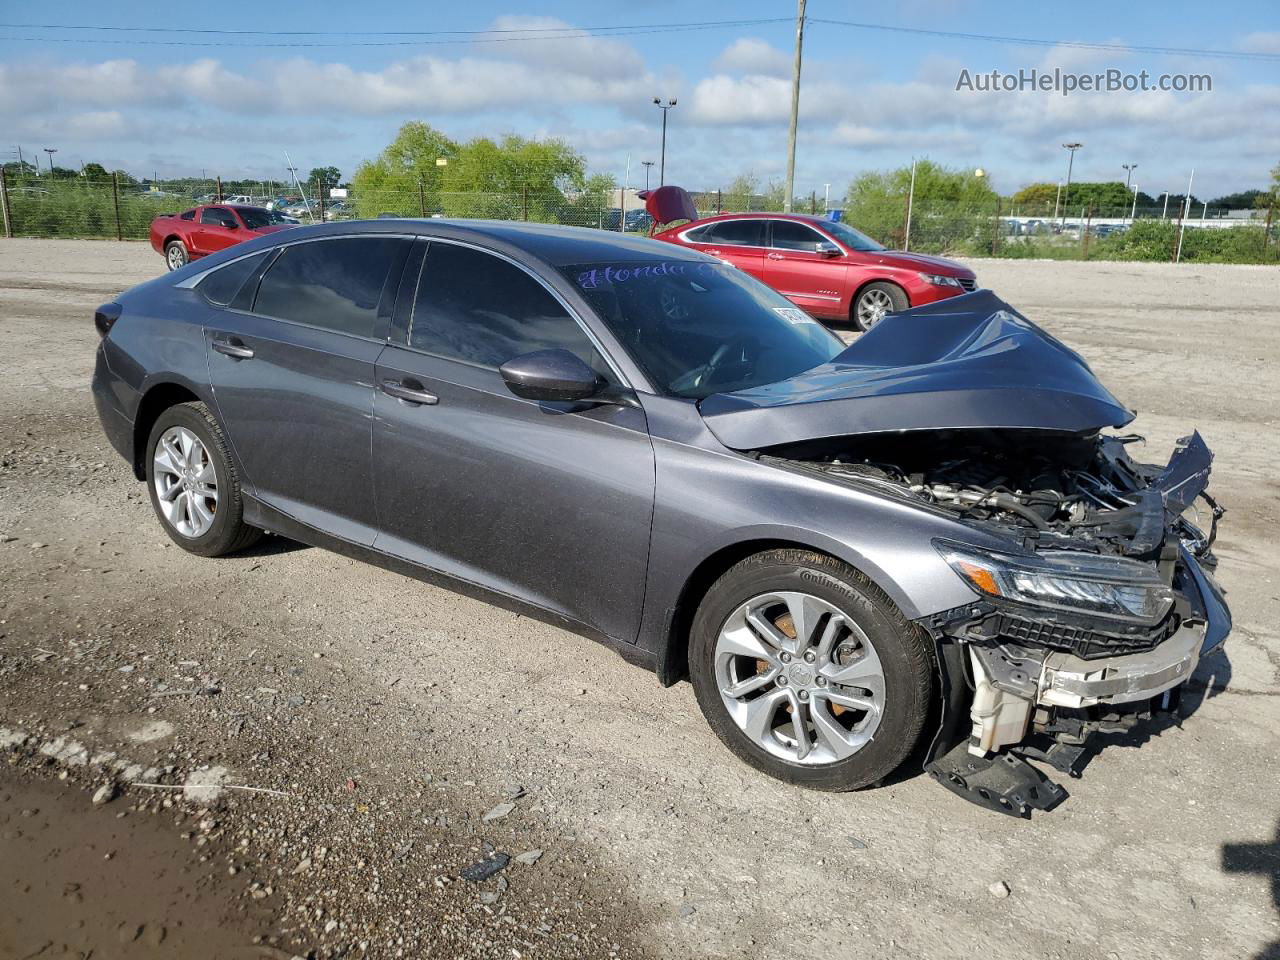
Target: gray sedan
x=923, y=544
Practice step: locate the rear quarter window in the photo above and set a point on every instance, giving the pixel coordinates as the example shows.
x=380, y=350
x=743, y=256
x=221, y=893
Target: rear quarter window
x=187, y=214
x=221, y=286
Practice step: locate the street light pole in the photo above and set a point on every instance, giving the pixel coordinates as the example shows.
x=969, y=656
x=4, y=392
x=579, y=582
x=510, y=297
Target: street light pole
x=647, y=164
x=826, y=198
x=1128, y=169
x=664, y=107
x=1066, y=198
x=50, y=151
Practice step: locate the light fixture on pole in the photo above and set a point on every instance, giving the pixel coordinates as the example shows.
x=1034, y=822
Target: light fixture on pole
x=1066, y=197
x=1128, y=170
x=51, y=151
x=647, y=164
x=664, y=107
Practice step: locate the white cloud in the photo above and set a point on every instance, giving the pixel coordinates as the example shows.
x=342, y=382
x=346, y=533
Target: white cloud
x=1261, y=42
x=751, y=56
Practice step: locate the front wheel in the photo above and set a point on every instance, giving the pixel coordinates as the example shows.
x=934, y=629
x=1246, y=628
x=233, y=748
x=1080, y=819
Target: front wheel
x=808, y=672
x=876, y=301
x=175, y=255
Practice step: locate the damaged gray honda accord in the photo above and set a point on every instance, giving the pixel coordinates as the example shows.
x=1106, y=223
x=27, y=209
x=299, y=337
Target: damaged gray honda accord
x=924, y=545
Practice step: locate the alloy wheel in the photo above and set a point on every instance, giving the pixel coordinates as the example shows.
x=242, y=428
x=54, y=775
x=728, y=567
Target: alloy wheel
x=800, y=678
x=186, y=483
x=177, y=257
x=872, y=307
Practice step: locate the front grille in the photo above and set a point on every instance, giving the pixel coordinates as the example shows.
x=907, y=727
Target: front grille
x=968, y=284
x=1083, y=642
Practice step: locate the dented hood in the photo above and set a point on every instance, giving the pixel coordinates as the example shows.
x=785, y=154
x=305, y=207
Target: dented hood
x=970, y=362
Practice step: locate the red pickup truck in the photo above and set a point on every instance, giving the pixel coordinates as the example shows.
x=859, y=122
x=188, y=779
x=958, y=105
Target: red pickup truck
x=203, y=230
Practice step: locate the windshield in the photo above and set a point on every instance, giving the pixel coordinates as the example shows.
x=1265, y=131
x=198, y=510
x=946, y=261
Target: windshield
x=851, y=238
x=702, y=328
x=256, y=218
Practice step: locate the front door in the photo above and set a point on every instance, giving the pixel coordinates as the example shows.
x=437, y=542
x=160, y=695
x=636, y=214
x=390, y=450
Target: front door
x=797, y=267
x=218, y=229
x=550, y=503
x=293, y=379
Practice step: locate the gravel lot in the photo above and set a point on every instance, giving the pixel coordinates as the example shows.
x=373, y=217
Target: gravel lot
x=390, y=717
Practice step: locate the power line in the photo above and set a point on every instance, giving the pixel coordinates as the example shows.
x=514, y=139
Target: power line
x=1074, y=44
x=457, y=36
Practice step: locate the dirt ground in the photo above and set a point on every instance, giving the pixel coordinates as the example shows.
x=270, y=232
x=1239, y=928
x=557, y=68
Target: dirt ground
x=323, y=740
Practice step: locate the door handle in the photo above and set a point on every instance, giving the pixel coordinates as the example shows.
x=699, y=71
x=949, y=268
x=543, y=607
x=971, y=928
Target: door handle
x=233, y=348
x=409, y=391
x=776, y=256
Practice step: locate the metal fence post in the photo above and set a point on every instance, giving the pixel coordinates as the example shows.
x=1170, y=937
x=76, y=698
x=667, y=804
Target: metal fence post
x=422, y=199
x=995, y=232
x=320, y=198
x=524, y=201
x=813, y=203
x=218, y=196
x=1266, y=230
x=719, y=198
x=8, y=217
x=115, y=202
x=1088, y=220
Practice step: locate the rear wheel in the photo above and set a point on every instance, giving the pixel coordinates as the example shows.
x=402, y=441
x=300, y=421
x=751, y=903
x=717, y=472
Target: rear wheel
x=175, y=255
x=193, y=484
x=808, y=672
x=875, y=301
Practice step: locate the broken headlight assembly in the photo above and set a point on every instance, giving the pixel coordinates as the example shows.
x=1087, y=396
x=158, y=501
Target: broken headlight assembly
x=1081, y=583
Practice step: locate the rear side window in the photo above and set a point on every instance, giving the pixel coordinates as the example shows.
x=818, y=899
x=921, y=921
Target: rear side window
x=334, y=284
x=218, y=217
x=698, y=234
x=476, y=307
x=789, y=235
x=187, y=215
x=737, y=233
x=223, y=284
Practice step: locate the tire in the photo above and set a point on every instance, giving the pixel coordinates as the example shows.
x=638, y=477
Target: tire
x=208, y=526
x=903, y=652
x=175, y=255
x=874, y=301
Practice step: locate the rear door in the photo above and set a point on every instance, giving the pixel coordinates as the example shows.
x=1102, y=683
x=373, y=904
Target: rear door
x=217, y=229
x=797, y=267
x=550, y=503
x=292, y=373
x=740, y=242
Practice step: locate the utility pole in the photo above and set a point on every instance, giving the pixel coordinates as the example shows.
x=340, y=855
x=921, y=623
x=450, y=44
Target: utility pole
x=50, y=151
x=647, y=164
x=1128, y=169
x=1066, y=199
x=795, y=109
x=664, y=107
x=911, y=196
x=826, y=198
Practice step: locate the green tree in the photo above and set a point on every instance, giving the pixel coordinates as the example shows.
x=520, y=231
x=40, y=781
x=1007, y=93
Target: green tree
x=739, y=196
x=328, y=177
x=391, y=182
x=950, y=207
x=512, y=178
x=95, y=172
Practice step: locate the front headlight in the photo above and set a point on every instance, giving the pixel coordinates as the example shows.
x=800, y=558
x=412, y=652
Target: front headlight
x=1080, y=582
x=938, y=280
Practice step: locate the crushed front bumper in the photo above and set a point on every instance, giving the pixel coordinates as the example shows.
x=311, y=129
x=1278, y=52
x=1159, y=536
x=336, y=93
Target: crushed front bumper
x=1033, y=702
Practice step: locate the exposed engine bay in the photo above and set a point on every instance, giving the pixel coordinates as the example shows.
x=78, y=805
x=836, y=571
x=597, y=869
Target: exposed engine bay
x=1092, y=621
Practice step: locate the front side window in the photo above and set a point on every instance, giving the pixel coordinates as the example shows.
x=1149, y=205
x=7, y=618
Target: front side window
x=738, y=233
x=476, y=307
x=335, y=284
x=790, y=235
x=218, y=217
x=701, y=328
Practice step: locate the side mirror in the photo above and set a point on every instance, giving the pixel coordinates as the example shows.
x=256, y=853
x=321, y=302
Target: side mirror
x=231, y=225
x=550, y=375
x=830, y=251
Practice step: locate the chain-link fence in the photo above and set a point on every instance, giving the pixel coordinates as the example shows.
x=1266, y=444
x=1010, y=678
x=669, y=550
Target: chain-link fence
x=110, y=209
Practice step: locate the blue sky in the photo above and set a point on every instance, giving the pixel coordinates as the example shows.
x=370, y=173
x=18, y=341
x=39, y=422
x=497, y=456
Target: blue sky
x=871, y=99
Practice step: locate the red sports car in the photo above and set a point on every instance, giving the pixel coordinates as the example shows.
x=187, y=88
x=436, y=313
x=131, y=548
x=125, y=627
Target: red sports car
x=827, y=267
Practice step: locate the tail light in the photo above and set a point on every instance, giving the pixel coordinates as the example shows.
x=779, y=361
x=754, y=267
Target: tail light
x=106, y=316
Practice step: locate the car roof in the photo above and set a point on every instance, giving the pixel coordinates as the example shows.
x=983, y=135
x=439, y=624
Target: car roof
x=764, y=215
x=551, y=243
